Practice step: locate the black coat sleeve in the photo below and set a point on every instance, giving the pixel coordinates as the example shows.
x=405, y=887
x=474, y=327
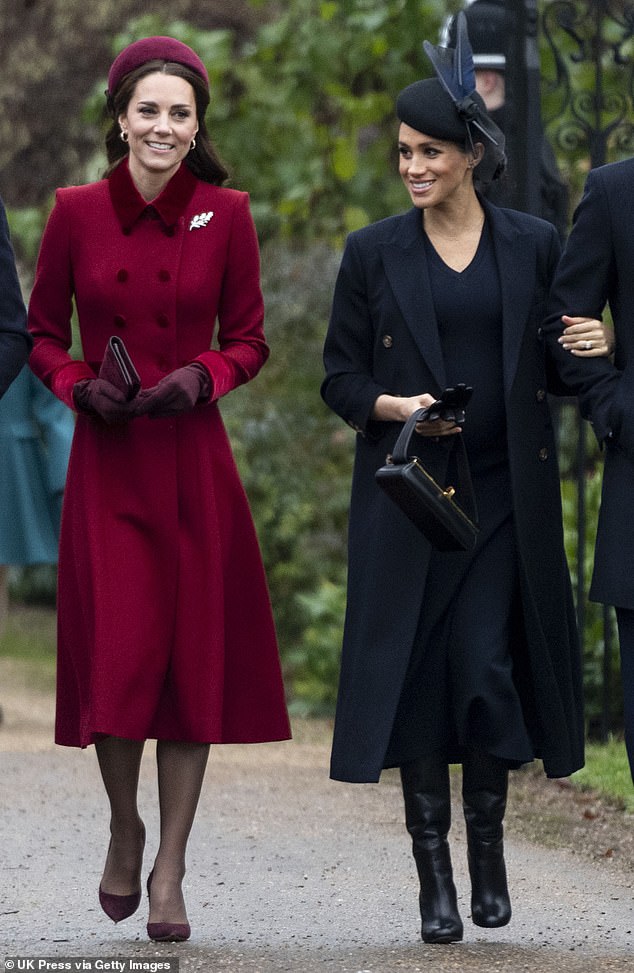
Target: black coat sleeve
x=581, y=287
x=349, y=387
x=15, y=342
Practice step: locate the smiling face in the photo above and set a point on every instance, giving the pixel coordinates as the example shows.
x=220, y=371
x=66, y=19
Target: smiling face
x=161, y=122
x=434, y=171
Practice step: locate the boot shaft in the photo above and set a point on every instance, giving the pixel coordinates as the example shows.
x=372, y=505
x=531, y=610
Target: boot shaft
x=484, y=793
x=427, y=797
x=484, y=796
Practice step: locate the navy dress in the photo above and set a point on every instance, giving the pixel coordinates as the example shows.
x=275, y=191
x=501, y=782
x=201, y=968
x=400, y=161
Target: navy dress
x=460, y=691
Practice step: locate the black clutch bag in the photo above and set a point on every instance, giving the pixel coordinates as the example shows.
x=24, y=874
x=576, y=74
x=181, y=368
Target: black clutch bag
x=118, y=368
x=434, y=509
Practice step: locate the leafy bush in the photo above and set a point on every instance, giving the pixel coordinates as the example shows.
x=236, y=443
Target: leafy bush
x=313, y=665
x=303, y=110
x=295, y=459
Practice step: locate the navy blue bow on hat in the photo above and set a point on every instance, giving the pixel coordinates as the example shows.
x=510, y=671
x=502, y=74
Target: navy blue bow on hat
x=455, y=71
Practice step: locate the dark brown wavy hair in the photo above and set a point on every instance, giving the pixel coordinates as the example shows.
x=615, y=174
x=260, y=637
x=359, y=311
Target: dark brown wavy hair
x=202, y=160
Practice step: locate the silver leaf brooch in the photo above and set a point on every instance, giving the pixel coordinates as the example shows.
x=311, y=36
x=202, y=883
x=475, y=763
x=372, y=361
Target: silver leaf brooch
x=200, y=220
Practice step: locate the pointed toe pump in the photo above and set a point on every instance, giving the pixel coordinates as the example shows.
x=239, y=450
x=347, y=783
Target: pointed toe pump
x=119, y=907
x=166, y=932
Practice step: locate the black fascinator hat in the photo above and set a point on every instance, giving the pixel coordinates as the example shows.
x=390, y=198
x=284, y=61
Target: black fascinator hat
x=448, y=107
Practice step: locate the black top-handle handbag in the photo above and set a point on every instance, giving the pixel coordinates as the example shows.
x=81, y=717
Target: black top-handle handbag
x=434, y=509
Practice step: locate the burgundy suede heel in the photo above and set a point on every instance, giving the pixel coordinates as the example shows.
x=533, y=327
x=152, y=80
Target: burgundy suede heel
x=166, y=932
x=119, y=907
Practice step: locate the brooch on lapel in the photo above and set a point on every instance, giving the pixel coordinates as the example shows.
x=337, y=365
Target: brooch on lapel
x=200, y=220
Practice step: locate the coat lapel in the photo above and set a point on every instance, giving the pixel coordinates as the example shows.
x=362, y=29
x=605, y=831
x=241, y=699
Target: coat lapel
x=406, y=270
x=516, y=257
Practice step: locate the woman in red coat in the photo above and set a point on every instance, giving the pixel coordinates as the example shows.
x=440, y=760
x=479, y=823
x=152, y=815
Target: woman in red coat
x=165, y=627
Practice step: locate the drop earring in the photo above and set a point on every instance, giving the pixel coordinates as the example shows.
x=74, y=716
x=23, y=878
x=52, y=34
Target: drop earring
x=123, y=135
x=193, y=145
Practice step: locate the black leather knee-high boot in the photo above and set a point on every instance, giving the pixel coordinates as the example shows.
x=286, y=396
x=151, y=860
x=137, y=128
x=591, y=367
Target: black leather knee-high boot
x=428, y=818
x=484, y=790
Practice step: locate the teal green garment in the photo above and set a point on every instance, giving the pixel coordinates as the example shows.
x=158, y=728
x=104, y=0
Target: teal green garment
x=36, y=431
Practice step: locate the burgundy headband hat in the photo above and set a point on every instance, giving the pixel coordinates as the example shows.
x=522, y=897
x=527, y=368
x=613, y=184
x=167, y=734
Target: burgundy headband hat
x=153, y=49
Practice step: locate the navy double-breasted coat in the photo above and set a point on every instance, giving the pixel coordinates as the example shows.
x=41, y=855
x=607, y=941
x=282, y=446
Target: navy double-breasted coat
x=595, y=270
x=383, y=337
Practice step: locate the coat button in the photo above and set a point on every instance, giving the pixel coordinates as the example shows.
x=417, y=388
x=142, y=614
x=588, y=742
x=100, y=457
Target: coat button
x=119, y=321
x=543, y=454
x=388, y=341
x=122, y=276
x=540, y=395
x=163, y=321
x=164, y=275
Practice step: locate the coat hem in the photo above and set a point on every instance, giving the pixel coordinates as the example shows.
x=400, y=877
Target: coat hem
x=233, y=741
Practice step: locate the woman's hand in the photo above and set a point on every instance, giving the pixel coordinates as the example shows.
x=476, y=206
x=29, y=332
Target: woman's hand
x=587, y=337
x=98, y=397
x=435, y=427
x=178, y=392
x=395, y=408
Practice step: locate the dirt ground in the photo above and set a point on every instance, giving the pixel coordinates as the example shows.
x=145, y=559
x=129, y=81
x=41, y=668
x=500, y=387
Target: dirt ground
x=289, y=871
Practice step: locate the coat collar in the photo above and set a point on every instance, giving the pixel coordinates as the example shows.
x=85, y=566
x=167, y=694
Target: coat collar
x=406, y=269
x=170, y=204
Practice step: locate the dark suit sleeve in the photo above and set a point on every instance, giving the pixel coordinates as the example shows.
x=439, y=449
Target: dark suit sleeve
x=581, y=288
x=15, y=342
x=349, y=387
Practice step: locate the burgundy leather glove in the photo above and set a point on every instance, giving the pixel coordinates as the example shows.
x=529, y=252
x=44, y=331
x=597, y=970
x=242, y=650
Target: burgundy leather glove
x=97, y=396
x=177, y=392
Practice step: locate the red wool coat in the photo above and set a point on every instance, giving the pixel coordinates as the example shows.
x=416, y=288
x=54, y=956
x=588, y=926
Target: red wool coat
x=165, y=627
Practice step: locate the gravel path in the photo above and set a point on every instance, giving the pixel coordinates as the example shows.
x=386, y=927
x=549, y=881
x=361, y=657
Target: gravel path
x=289, y=871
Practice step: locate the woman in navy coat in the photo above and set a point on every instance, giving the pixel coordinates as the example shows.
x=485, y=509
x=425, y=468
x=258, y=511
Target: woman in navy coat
x=453, y=657
x=14, y=339
x=596, y=270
